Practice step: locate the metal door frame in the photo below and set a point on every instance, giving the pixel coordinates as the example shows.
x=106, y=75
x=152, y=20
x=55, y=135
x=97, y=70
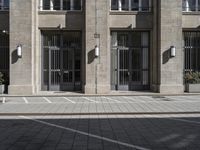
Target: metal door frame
x=63, y=86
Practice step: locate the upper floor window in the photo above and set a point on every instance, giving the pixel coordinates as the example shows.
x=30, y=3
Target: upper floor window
x=60, y=5
x=131, y=5
x=4, y=5
x=191, y=5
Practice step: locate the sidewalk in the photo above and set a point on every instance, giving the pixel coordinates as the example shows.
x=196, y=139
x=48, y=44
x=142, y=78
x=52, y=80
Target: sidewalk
x=100, y=105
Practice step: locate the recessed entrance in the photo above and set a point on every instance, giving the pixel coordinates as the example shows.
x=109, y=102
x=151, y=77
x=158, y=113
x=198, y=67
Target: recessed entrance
x=130, y=61
x=61, y=61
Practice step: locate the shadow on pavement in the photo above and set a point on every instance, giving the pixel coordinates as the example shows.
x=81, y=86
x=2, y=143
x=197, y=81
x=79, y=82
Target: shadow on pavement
x=86, y=134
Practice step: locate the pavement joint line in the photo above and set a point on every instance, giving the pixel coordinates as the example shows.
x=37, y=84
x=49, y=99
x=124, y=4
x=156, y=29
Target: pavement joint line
x=90, y=100
x=100, y=113
x=46, y=99
x=69, y=100
x=111, y=99
x=4, y=100
x=86, y=134
x=25, y=100
x=141, y=101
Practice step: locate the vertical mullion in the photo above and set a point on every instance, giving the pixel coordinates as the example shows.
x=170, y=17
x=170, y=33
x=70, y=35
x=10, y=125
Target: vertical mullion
x=140, y=5
x=71, y=4
x=129, y=5
x=61, y=4
x=150, y=5
x=196, y=5
x=2, y=3
x=41, y=5
x=120, y=5
x=51, y=4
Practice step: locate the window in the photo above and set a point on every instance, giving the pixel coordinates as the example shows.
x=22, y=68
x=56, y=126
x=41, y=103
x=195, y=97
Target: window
x=191, y=5
x=60, y=5
x=4, y=4
x=131, y=5
x=192, y=51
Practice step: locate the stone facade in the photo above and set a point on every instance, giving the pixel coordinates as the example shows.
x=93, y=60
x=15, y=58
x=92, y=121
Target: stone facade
x=165, y=24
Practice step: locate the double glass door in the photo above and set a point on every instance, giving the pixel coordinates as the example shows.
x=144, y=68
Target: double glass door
x=130, y=61
x=61, y=61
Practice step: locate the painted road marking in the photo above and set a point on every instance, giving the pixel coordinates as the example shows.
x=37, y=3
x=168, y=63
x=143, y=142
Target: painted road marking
x=90, y=100
x=69, y=100
x=112, y=99
x=25, y=100
x=87, y=134
x=46, y=99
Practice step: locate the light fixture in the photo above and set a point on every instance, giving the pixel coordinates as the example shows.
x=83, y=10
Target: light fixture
x=19, y=50
x=173, y=51
x=96, y=51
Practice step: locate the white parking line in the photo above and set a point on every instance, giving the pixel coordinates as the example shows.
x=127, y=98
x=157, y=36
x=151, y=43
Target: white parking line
x=4, y=100
x=90, y=100
x=46, y=99
x=86, y=134
x=69, y=100
x=25, y=100
x=111, y=99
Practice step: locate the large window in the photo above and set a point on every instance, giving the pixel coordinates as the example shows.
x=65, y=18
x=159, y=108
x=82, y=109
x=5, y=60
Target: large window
x=191, y=5
x=60, y=5
x=131, y=5
x=192, y=51
x=4, y=4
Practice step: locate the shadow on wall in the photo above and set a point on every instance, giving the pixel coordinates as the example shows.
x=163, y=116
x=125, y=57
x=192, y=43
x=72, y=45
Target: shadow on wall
x=166, y=56
x=14, y=56
x=91, y=56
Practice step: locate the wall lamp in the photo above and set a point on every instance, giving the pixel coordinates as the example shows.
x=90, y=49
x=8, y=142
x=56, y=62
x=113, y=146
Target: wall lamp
x=19, y=50
x=96, y=51
x=173, y=51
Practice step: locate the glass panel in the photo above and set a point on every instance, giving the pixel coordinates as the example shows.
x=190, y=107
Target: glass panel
x=189, y=5
x=77, y=4
x=123, y=78
x=56, y=5
x=135, y=5
x=67, y=60
x=125, y=5
x=66, y=4
x=46, y=4
x=114, y=5
x=145, y=5
x=136, y=76
x=135, y=39
x=6, y=4
x=67, y=76
x=77, y=76
x=122, y=40
x=198, y=5
x=136, y=59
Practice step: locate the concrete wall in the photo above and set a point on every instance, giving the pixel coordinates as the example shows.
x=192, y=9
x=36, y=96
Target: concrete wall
x=71, y=20
x=170, y=34
x=21, y=32
x=191, y=20
x=97, y=69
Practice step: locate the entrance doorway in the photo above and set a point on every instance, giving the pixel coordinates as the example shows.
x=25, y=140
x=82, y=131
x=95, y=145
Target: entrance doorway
x=61, y=61
x=130, y=61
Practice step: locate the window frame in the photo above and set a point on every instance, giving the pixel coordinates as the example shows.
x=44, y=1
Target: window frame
x=186, y=7
x=52, y=7
x=3, y=7
x=129, y=9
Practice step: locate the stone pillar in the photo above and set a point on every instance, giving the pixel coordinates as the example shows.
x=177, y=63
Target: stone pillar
x=21, y=33
x=170, y=69
x=97, y=69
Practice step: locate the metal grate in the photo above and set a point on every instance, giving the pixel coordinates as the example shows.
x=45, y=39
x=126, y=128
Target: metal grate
x=192, y=51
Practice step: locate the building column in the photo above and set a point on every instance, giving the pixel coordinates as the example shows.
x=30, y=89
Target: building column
x=21, y=32
x=170, y=69
x=97, y=33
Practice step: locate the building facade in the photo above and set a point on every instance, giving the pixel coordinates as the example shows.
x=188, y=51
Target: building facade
x=98, y=46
